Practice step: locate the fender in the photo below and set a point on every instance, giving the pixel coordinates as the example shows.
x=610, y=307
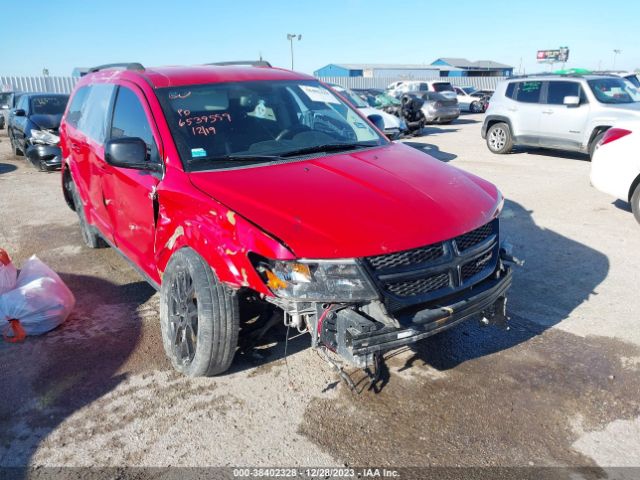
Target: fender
x=491, y=119
x=218, y=234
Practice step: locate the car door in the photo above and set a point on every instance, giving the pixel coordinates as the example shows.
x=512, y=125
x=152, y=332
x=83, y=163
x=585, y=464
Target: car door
x=563, y=126
x=129, y=193
x=19, y=122
x=88, y=148
x=525, y=112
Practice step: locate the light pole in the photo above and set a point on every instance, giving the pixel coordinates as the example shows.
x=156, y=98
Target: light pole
x=291, y=37
x=616, y=52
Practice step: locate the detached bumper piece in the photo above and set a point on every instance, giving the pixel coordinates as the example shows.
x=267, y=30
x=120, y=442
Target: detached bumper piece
x=359, y=337
x=45, y=157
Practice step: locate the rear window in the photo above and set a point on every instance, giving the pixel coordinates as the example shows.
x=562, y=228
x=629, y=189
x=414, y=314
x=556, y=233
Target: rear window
x=529, y=92
x=443, y=87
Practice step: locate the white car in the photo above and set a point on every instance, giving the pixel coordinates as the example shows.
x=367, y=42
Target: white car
x=467, y=101
x=615, y=165
x=394, y=127
x=397, y=89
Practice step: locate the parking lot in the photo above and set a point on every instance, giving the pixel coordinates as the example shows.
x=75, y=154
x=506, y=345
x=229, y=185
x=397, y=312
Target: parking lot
x=554, y=390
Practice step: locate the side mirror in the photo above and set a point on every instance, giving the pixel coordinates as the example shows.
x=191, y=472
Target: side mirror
x=377, y=120
x=19, y=112
x=571, y=101
x=129, y=152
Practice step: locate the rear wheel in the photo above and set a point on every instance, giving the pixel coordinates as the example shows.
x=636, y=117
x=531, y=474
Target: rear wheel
x=499, y=138
x=199, y=316
x=476, y=107
x=89, y=235
x=635, y=203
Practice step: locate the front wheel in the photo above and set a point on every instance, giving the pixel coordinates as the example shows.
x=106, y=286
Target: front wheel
x=476, y=107
x=635, y=203
x=199, y=317
x=499, y=138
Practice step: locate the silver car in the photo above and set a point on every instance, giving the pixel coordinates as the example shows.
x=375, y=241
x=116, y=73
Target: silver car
x=567, y=112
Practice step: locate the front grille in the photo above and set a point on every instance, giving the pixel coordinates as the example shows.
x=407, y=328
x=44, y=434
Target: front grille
x=418, y=287
x=475, y=266
x=424, y=274
x=407, y=258
x=474, y=237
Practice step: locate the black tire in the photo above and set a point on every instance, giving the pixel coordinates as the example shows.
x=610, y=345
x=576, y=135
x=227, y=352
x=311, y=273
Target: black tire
x=499, y=139
x=594, y=142
x=89, y=235
x=199, y=317
x=635, y=202
x=42, y=166
x=475, y=107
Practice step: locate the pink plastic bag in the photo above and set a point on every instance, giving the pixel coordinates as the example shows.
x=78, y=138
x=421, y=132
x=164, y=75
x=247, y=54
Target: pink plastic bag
x=8, y=273
x=40, y=302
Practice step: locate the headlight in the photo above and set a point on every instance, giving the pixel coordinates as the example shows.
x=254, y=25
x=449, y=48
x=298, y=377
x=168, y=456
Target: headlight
x=316, y=280
x=42, y=136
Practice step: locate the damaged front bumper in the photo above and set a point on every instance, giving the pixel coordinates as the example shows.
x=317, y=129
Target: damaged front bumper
x=359, y=337
x=45, y=157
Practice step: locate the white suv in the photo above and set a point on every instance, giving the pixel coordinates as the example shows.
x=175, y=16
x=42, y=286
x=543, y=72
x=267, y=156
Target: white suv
x=397, y=89
x=566, y=112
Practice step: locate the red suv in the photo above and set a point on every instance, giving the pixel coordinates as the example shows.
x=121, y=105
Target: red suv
x=225, y=184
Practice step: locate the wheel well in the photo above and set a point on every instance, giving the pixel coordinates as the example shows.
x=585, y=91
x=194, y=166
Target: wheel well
x=597, y=131
x=493, y=121
x=633, y=187
x=66, y=188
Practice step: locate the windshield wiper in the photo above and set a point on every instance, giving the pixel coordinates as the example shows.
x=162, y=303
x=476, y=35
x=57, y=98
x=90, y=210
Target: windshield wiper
x=327, y=147
x=237, y=158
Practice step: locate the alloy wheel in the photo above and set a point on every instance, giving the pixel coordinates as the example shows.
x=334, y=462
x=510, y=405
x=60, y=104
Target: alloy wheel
x=497, y=138
x=183, y=317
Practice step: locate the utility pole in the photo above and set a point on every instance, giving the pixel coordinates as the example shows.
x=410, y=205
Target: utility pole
x=616, y=52
x=291, y=37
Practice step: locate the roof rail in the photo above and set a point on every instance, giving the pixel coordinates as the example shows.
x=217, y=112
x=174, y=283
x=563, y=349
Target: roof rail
x=252, y=63
x=127, y=66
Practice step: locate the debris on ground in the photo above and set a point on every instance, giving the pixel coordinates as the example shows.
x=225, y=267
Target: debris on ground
x=38, y=302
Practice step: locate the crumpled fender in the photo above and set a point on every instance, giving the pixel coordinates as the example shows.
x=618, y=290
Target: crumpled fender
x=222, y=237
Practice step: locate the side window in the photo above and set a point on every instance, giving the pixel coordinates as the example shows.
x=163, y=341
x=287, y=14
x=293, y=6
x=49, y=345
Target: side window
x=22, y=104
x=75, y=108
x=423, y=87
x=95, y=112
x=130, y=120
x=529, y=92
x=511, y=90
x=560, y=89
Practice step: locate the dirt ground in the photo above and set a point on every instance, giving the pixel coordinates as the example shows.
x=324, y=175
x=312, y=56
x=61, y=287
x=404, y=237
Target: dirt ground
x=560, y=388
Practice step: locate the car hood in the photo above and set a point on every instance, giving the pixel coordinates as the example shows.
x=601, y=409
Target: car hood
x=390, y=121
x=356, y=204
x=46, y=121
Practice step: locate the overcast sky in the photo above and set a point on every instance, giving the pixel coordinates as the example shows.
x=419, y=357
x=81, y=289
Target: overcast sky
x=60, y=35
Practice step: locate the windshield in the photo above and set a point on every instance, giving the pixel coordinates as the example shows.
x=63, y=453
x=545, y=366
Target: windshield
x=385, y=100
x=221, y=125
x=6, y=99
x=469, y=90
x=614, y=90
x=48, y=105
x=443, y=87
x=353, y=98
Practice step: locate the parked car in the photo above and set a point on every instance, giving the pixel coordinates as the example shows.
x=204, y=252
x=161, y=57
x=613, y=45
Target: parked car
x=438, y=108
x=467, y=101
x=378, y=98
x=394, y=127
x=484, y=96
x=419, y=86
x=33, y=128
x=6, y=104
x=570, y=112
x=226, y=185
x=615, y=166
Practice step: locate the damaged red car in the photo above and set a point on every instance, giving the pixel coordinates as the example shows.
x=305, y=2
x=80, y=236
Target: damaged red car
x=224, y=184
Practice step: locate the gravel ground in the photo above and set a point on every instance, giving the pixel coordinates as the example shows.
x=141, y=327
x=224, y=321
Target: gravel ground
x=560, y=388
